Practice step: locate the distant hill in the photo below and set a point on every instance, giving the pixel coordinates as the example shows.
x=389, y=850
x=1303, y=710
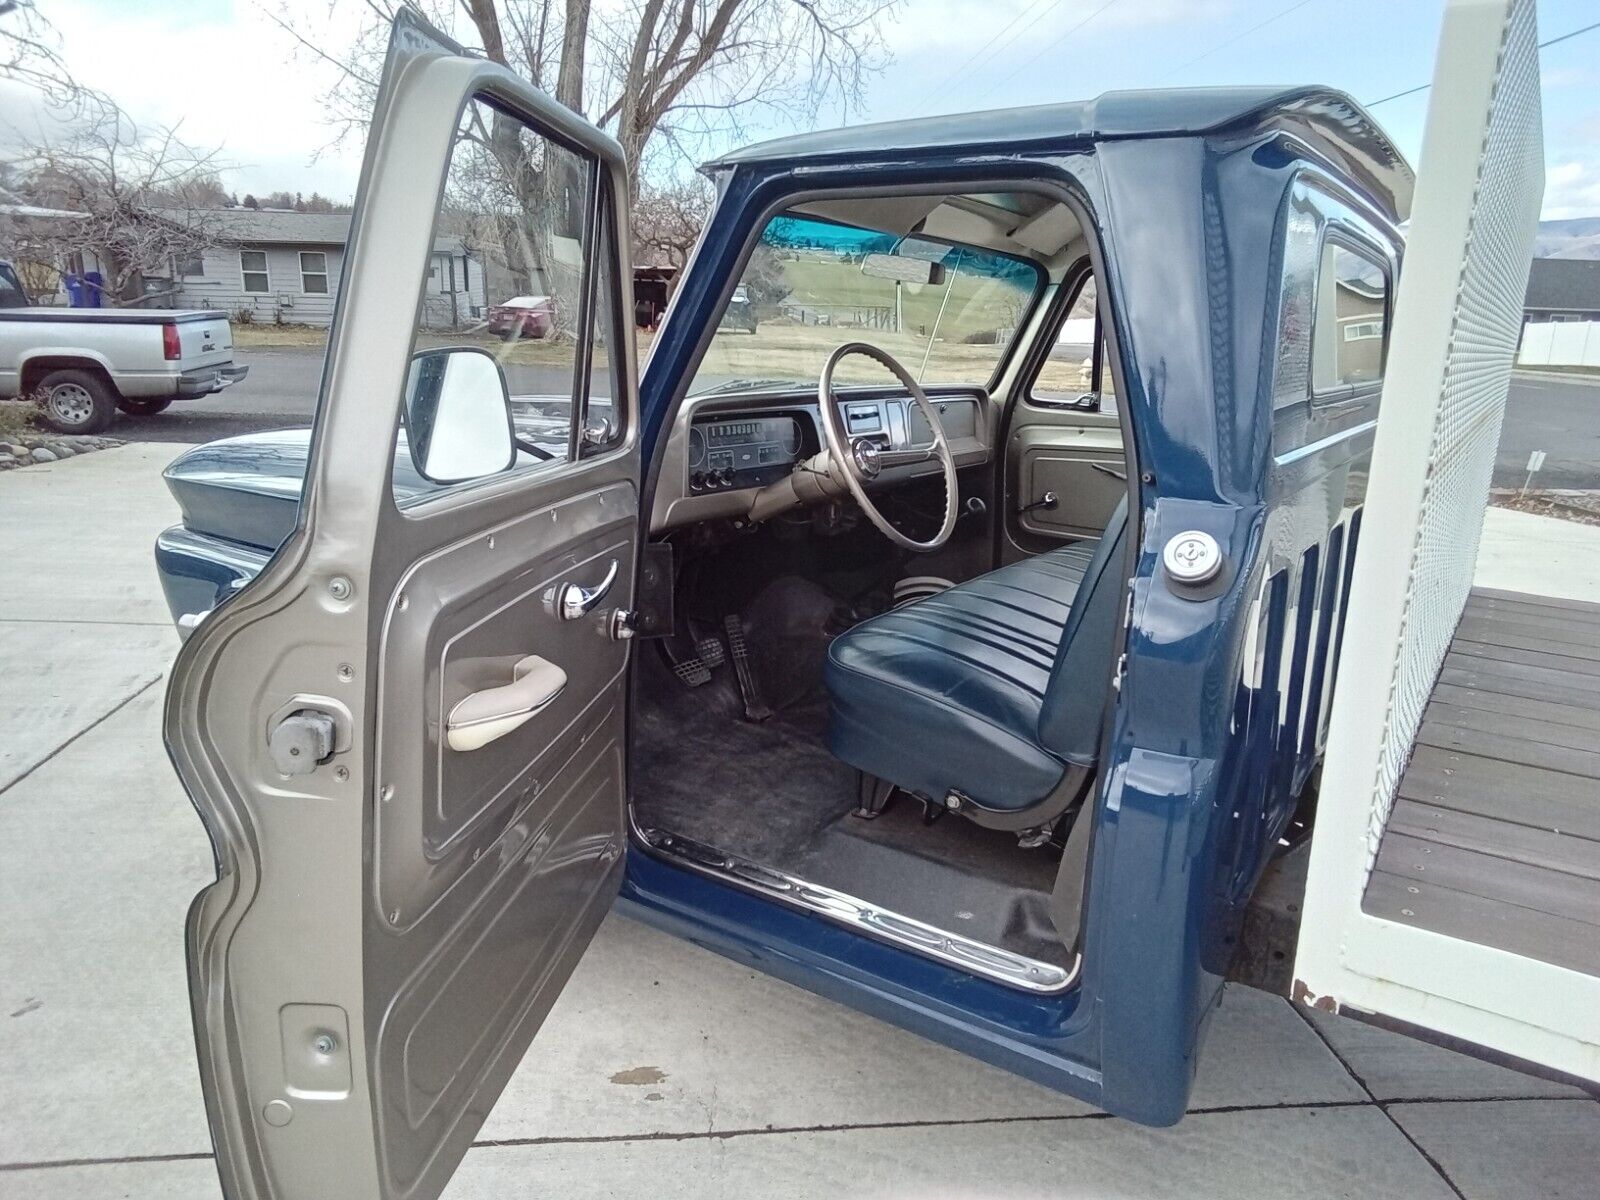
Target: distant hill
x=1576, y=238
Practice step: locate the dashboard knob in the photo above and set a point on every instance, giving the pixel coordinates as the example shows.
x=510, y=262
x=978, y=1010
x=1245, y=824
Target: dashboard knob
x=697, y=480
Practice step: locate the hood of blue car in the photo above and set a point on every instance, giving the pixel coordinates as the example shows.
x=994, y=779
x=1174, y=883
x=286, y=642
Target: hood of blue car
x=247, y=489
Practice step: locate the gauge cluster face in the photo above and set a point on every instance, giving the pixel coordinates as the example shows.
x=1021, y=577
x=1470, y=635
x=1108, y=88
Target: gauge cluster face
x=740, y=452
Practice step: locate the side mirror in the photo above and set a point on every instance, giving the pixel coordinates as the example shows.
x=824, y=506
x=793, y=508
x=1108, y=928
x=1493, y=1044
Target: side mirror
x=458, y=415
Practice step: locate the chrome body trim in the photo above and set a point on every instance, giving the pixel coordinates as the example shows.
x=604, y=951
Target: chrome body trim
x=953, y=949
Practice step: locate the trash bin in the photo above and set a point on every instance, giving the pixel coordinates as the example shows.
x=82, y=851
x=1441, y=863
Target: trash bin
x=83, y=291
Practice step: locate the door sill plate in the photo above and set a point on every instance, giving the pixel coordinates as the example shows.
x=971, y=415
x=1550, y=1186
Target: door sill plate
x=964, y=953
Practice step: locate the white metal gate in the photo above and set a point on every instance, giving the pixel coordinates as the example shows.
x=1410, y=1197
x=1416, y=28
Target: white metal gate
x=1457, y=319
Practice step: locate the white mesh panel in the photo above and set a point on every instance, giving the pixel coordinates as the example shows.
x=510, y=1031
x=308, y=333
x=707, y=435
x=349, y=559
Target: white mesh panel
x=1470, y=401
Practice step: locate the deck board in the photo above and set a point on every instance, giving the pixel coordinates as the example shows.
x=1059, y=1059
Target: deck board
x=1495, y=834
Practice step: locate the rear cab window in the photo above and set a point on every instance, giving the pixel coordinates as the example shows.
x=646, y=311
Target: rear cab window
x=11, y=293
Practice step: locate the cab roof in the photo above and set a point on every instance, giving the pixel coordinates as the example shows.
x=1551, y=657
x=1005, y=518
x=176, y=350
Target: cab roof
x=1330, y=121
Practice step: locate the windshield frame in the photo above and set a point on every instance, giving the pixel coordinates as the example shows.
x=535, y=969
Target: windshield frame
x=784, y=207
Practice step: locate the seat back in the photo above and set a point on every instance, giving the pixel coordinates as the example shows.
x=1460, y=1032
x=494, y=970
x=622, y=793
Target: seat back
x=1074, y=699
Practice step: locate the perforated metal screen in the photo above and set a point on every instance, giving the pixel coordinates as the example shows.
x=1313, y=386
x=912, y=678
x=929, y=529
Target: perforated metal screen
x=1469, y=403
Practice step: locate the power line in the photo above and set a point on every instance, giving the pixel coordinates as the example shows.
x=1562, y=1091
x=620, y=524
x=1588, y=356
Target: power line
x=1236, y=38
x=1021, y=67
x=952, y=76
x=1422, y=87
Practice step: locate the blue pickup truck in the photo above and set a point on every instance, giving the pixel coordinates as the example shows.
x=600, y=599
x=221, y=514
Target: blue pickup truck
x=870, y=639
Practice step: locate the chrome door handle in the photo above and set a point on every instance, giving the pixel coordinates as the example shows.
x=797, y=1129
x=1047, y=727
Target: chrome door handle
x=483, y=716
x=573, y=600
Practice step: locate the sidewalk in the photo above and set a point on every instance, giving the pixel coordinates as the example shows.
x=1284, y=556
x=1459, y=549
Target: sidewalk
x=664, y=1070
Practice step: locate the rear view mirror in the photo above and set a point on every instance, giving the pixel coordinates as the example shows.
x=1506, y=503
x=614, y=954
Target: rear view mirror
x=458, y=415
x=902, y=270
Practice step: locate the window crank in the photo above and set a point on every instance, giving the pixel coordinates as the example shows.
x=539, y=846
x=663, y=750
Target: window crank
x=1047, y=501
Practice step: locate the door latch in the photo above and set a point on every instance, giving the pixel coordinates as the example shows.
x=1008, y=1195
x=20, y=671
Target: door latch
x=302, y=741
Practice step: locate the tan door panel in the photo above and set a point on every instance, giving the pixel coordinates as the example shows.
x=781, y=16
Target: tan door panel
x=1083, y=465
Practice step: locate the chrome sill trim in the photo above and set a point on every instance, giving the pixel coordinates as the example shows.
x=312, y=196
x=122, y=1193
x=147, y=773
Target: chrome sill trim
x=964, y=953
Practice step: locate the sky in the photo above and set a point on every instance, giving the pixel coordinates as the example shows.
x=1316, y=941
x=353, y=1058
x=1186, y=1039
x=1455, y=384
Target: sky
x=228, y=76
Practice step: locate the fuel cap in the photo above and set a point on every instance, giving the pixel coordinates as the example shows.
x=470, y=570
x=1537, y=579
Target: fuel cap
x=1192, y=557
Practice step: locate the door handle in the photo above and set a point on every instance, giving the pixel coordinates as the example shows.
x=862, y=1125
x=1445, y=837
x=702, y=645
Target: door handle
x=573, y=600
x=494, y=712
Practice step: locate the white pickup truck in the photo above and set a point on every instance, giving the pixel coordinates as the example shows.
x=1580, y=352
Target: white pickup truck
x=85, y=363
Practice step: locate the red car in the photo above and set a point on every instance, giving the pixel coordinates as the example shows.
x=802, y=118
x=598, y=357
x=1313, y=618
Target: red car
x=523, y=316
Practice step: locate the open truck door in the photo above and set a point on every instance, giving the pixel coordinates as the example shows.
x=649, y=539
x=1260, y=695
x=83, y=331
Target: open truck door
x=1435, y=899
x=406, y=736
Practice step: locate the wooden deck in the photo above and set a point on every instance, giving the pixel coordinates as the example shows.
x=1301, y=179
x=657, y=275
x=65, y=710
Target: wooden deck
x=1495, y=834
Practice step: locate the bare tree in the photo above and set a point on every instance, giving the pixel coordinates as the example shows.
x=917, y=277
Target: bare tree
x=30, y=54
x=668, y=218
x=141, y=200
x=663, y=75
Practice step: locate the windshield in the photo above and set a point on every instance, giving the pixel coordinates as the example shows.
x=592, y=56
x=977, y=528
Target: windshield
x=949, y=316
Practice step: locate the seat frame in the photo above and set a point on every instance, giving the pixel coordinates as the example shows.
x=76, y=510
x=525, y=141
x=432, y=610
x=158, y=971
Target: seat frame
x=874, y=794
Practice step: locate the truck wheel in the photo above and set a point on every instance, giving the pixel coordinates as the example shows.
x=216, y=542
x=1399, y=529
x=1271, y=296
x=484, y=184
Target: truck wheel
x=144, y=406
x=74, y=401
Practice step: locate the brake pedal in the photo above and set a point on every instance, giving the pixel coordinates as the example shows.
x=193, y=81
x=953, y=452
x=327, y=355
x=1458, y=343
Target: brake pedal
x=711, y=652
x=692, y=672
x=755, y=709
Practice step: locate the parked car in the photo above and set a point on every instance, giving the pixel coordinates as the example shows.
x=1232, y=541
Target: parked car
x=523, y=316
x=86, y=363
x=980, y=714
x=740, y=312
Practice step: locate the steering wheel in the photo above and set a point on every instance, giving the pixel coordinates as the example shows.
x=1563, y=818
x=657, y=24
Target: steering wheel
x=860, y=460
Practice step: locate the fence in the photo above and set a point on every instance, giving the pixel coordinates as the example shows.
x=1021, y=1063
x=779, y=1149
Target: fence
x=1560, y=344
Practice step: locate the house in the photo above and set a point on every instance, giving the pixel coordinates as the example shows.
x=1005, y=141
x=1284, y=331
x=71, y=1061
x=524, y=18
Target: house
x=1563, y=289
x=282, y=267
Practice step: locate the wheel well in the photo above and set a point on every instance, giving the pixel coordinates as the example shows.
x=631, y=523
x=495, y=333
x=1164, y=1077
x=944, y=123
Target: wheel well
x=35, y=369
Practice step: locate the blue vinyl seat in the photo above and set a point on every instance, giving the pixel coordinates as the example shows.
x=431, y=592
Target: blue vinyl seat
x=993, y=689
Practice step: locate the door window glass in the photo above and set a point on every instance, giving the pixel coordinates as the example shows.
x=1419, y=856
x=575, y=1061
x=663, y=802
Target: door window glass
x=1352, y=322
x=508, y=269
x=1077, y=370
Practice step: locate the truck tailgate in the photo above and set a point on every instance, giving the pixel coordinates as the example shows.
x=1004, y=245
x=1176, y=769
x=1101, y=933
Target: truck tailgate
x=204, y=340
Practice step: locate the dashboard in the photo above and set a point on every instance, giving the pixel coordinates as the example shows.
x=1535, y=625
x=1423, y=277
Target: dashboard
x=725, y=447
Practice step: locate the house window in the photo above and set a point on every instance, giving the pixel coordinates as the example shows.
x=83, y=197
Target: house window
x=253, y=265
x=191, y=266
x=313, y=272
x=1350, y=330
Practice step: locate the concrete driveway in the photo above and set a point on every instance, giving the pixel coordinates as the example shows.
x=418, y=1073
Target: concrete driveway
x=664, y=1070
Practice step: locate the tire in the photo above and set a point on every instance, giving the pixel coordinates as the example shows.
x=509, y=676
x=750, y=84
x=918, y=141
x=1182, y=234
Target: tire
x=143, y=406
x=73, y=401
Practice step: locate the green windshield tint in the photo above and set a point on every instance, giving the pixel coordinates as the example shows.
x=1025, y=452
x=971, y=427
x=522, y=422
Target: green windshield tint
x=949, y=316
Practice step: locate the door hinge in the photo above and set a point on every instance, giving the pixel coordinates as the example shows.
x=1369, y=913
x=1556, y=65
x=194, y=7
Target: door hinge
x=302, y=741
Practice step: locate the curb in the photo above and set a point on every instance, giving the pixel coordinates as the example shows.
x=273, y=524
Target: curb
x=1558, y=377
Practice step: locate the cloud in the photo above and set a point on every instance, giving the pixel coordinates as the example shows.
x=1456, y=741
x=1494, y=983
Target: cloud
x=959, y=29
x=226, y=76
x=1572, y=189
